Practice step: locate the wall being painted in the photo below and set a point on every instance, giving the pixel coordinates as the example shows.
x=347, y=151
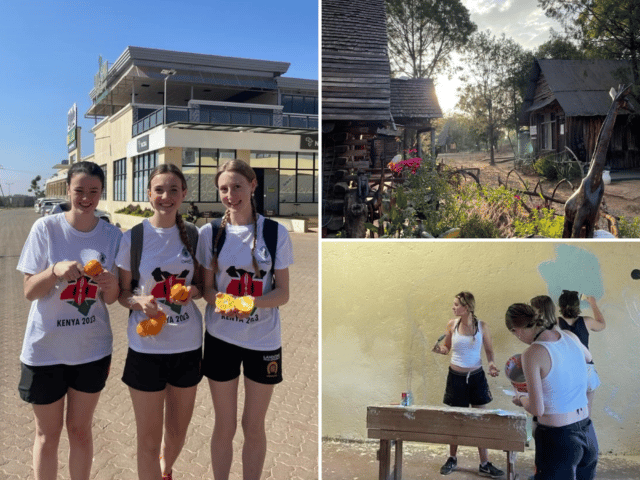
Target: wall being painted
x=384, y=304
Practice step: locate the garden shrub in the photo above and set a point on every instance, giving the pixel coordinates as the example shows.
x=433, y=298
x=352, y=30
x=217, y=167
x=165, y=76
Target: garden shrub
x=629, y=228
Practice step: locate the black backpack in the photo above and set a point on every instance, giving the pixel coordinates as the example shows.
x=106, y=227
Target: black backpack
x=269, y=233
x=136, y=248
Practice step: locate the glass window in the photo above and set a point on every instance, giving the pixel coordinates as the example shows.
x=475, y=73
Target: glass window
x=287, y=103
x=142, y=166
x=264, y=159
x=287, y=160
x=191, y=175
x=287, y=186
x=208, y=158
x=119, y=180
x=104, y=190
x=305, y=161
x=305, y=187
x=189, y=156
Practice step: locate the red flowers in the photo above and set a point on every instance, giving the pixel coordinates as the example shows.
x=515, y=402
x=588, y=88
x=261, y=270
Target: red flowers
x=411, y=163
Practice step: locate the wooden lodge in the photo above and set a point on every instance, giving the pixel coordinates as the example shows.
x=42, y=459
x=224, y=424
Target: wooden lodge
x=359, y=105
x=566, y=103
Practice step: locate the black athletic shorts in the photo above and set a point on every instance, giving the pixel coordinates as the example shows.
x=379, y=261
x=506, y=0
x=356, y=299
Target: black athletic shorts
x=48, y=384
x=151, y=372
x=466, y=389
x=222, y=362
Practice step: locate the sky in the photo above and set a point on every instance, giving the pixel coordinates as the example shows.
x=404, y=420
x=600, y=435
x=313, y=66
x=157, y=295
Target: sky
x=49, y=55
x=521, y=20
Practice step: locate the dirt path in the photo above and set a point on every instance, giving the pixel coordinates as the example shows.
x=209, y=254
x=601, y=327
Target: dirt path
x=621, y=198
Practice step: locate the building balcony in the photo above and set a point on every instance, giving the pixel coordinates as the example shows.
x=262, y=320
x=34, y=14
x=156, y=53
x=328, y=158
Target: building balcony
x=220, y=114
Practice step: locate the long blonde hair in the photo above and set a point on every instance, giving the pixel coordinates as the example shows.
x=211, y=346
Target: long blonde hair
x=244, y=169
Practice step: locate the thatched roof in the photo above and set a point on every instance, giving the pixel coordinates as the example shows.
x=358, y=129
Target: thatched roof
x=355, y=64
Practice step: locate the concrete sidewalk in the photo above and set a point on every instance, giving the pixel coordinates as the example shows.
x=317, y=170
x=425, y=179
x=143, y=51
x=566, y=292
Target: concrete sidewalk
x=292, y=420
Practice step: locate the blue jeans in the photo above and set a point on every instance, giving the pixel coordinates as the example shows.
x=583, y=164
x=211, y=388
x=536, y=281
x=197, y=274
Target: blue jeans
x=566, y=453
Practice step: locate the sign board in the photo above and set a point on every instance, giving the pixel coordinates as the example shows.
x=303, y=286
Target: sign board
x=309, y=141
x=100, y=78
x=533, y=130
x=72, y=118
x=142, y=143
x=72, y=140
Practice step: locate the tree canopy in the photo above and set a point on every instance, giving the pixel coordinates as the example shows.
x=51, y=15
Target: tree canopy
x=493, y=83
x=424, y=33
x=605, y=28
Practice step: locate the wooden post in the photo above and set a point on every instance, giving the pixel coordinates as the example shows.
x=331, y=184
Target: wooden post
x=385, y=459
x=397, y=469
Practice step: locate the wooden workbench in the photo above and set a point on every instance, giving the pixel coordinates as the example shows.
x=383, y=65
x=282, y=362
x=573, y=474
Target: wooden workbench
x=492, y=429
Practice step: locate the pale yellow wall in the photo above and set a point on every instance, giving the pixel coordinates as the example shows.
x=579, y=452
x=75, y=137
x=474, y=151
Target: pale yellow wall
x=384, y=304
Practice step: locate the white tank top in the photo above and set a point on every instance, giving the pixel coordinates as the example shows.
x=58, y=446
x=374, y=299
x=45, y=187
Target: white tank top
x=564, y=389
x=466, y=349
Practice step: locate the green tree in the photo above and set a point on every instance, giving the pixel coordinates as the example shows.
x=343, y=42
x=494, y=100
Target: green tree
x=35, y=187
x=493, y=81
x=605, y=28
x=424, y=33
x=559, y=47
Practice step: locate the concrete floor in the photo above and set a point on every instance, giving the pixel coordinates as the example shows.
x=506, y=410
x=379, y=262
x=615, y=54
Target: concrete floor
x=357, y=461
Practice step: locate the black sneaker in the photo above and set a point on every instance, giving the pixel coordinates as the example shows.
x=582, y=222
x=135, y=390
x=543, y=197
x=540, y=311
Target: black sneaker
x=449, y=467
x=490, y=471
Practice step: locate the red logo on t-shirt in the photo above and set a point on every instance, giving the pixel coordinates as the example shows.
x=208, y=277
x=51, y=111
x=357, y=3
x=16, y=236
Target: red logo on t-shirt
x=243, y=283
x=81, y=294
x=162, y=289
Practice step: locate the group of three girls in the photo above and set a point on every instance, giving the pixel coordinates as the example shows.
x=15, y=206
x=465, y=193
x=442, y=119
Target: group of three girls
x=558, y=371
x=68, y=341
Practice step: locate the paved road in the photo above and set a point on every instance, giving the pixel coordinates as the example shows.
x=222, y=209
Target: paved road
x=292, y=421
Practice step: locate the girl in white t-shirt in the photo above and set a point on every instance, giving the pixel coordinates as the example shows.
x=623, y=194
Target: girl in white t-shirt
x=67, y=346
x=162, y=371
x=242, y=267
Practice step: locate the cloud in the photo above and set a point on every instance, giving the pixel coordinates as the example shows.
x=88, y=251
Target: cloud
x=521, y=20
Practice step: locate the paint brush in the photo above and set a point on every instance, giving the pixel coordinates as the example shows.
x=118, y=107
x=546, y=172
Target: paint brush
x=440, y=339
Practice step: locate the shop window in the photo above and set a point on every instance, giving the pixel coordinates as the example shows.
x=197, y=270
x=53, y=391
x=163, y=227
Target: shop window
x=104, y=190
x=119, y=180
x=142, y=166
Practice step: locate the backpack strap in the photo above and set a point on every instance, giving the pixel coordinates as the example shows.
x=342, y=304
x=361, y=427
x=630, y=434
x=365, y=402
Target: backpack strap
x=216, y=223
x=270, y=235
x=136, y=254
x=192, y=233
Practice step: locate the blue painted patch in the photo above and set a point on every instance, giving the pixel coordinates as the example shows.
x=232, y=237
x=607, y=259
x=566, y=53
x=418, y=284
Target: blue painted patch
x=573, y=269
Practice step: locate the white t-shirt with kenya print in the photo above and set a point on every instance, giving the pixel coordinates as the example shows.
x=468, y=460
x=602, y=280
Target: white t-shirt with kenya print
x=70, y=325
x=164, y=262
x=261, y=331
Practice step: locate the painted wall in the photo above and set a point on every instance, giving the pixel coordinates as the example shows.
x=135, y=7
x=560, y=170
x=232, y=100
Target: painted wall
x=384, y=304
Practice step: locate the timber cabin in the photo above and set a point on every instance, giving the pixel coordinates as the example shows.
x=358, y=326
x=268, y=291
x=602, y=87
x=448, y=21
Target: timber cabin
x=566, y=103
x=359, y=103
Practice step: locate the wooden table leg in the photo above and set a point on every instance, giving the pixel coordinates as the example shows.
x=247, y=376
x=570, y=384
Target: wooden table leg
x=511, y=465
x=398, y=461
x=384, y=455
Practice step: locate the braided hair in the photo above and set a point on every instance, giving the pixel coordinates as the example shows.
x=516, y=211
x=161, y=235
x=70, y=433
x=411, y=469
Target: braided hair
x=467, y=299
x=171, y=168
x=244, y=169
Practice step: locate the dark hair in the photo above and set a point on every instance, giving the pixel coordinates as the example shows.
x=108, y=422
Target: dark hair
x=88, y=168
x=244, y=169
x=545, y=307
x=569, y=303
x=521, y=315
x=171, y=168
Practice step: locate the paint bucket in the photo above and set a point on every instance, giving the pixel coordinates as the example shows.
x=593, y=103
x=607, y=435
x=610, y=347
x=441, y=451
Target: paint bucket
x=513, y=371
